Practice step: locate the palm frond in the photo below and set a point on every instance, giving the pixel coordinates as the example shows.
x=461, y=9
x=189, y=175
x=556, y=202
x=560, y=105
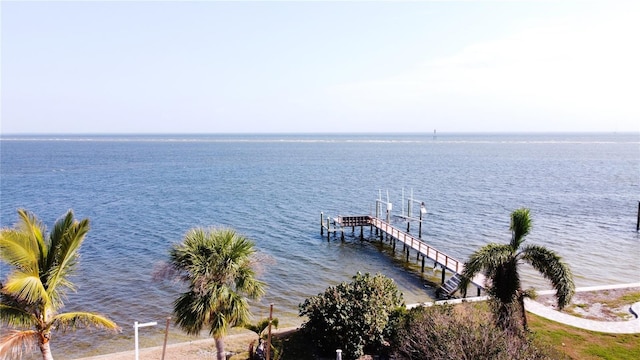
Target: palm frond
x=191, y=312
x=73, y=320
x=14, y=343
x=551, y=266
x=31, y=226
x=247, y=283
x=64, y=255
x=486, y=259
x=483, y=260
x=18, y=250
x=520, y=226
x=15, y=313
x=26, y=287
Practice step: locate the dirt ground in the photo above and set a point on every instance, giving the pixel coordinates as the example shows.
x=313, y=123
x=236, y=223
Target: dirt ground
x=194, y=350
x=603, y=305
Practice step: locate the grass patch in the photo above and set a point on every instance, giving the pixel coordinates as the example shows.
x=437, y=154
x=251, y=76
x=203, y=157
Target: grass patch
x=567, y=341
x=626, y=299
x=582, y=344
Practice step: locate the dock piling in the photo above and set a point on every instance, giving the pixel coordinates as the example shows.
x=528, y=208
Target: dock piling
x=393, y=235
x=638, y=222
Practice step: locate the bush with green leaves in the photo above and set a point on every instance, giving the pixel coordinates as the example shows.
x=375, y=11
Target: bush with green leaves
x=461, y=332
x=354, y=316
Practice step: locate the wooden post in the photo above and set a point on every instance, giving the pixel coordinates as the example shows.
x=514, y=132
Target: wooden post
x=361, y=232
x=342, y=235
x=420, y=224
x=321, y=224
x=328, y=232
x=407, y=255
x=166, y=335
x=638, y=222
x=422, y=263
x=269, y=333
x=443, y=274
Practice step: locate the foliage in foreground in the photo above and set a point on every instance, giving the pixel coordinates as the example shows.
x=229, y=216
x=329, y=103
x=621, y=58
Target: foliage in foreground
x=352, y=316
x=35, y=289
x=218, y=267
x=460, y=332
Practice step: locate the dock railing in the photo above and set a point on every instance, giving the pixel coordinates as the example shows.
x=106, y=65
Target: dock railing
x=439, y=257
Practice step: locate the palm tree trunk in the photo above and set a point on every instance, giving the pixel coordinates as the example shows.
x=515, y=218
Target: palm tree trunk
x=524, y=312
x=220, y=348
x=45, y=349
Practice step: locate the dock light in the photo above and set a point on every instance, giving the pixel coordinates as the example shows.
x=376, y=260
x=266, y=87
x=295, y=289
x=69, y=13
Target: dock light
x=423, y=210
x=136, y=325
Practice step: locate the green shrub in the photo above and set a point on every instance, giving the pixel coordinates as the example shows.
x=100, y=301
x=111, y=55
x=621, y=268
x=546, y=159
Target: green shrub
x=352, y=316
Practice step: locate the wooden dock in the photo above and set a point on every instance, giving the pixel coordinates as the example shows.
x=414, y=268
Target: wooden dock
x=384, y=228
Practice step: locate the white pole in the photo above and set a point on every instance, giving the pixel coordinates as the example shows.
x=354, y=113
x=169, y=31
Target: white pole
x=135, y=331
x=136, y=325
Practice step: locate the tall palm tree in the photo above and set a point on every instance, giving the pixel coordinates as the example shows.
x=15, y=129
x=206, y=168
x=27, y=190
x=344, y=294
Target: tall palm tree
x=35, y=289
x=500, y=264
x=217, y=265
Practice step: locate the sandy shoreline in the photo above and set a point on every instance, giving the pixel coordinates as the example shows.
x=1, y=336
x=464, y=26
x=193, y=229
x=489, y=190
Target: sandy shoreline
x=196, y=349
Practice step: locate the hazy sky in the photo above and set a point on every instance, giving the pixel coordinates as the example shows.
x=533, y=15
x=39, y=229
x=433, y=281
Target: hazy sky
x=227, y=67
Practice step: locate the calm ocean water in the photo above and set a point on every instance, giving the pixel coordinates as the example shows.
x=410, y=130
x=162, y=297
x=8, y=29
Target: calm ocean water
x=142, y=194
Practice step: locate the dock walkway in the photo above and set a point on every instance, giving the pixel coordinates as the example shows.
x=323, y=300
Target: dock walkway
x=420, y=246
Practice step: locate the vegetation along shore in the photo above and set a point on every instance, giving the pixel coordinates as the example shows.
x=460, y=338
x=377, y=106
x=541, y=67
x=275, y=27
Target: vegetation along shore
x=359, y=319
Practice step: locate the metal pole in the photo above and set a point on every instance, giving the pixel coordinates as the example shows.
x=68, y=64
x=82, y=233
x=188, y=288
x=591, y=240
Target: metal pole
x=136, y=325
x=135, y=336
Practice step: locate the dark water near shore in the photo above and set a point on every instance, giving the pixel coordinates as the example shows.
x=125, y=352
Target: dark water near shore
x=142, y=193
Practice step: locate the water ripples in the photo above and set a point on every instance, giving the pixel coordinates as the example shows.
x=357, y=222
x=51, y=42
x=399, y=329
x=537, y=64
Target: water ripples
x=143, y=196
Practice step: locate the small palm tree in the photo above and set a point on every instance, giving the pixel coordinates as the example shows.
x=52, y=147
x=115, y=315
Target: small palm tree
x=34, y=291
x=260, y=328
x=500, y=264
x=217, y=265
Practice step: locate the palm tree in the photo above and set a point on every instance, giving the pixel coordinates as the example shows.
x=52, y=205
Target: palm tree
x=218, y=267
x=259, y=328
x=34, y=291
x=500, y=264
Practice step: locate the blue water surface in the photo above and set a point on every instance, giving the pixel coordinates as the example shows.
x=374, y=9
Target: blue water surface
x=142, y=193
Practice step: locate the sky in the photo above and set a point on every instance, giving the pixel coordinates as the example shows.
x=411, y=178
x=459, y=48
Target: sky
x=318, y=66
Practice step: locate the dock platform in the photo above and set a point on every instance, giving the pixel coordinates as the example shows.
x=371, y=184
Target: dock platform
x=384, y=228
